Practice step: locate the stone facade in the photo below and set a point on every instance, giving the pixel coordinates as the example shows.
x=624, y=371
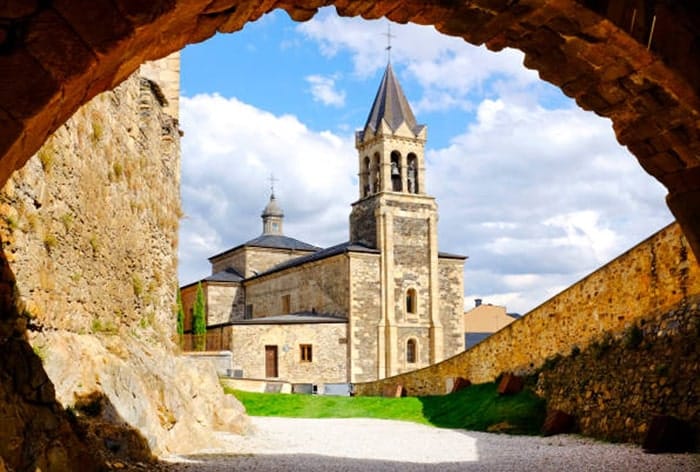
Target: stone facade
x=402, y=301
x=365, y=308
x=329, y=362
x=319, y=286
x=653, y=277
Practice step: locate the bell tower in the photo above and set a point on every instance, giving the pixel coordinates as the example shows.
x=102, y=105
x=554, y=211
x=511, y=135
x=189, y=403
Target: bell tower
x=395, y=214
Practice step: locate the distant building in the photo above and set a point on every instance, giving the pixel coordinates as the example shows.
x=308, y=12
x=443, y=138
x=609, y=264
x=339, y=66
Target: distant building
x=382, y=303
x=483, y=320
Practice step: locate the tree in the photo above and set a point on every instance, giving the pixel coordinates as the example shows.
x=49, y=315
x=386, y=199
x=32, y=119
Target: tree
x=199, y=320
x=180, y=319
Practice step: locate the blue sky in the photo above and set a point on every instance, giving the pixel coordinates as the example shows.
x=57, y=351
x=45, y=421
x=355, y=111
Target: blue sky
x=534, y=190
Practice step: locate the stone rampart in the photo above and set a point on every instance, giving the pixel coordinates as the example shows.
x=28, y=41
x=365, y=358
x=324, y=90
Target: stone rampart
x=655, y=276
x=616, y=386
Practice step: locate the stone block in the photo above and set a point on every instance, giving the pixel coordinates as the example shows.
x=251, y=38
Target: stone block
x=668, y=434
x=510, y=384
x=393, y=391
x=558, y=422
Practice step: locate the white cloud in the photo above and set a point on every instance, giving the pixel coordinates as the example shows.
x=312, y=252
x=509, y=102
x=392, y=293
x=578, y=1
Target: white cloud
x=447, y=68
x=229, y=151
x=538, y=198
x=323, y=90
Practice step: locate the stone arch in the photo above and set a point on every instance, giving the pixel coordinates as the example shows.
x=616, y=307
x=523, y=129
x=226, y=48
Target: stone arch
x=412, y=173
x=396, y=171
x=645, y=76
x=365, y=173
x=376, y=173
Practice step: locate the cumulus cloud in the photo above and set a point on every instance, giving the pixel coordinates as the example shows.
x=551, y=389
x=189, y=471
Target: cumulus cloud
x=447, y=68
x=230, y=149
x=323, y=90
x=538, y=198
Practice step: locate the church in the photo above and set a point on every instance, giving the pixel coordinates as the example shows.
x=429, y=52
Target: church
x=382, y=303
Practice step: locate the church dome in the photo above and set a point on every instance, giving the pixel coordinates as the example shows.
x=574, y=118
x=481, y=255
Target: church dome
x=272, y=208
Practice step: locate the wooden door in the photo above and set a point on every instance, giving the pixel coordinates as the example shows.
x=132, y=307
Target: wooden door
x=271, y=361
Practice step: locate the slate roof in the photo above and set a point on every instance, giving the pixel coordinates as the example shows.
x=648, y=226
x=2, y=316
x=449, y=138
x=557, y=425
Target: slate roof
x=294, y=318
x=390, y=105
x=227, y=275
x=448, y=255
x=472, y=339
x=318, y=255
x=274, y=241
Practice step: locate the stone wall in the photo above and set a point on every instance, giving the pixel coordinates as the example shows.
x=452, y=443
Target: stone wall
x=654, y=276
x=451, y=304
x=616, y=386
x=329, y=352
x=221, y=303
x=321, y=285
x=365, y=310
x=89, y=228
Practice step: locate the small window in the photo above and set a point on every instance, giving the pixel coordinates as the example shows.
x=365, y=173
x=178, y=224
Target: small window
x=286, y=303
x=411, y=351
x=306, y=352
x=411, y=301
x=248, y=314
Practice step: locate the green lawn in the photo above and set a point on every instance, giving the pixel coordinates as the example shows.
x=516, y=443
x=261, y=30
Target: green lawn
x=475, y=408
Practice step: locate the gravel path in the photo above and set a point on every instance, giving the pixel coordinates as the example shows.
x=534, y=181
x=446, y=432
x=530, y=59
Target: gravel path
x=381, y=445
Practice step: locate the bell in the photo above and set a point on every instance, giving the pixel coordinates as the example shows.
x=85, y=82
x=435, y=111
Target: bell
x=395, y=170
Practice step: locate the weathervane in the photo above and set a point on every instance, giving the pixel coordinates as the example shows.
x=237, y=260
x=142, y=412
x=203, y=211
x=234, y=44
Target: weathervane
x=388, y=41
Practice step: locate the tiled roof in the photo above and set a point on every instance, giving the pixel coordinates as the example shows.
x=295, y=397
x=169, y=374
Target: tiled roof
x=227, y=275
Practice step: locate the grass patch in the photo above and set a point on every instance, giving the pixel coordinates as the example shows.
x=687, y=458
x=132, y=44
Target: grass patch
x=475, y=408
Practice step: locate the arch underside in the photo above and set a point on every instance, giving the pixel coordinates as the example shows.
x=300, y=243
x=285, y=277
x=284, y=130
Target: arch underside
x=636, y=62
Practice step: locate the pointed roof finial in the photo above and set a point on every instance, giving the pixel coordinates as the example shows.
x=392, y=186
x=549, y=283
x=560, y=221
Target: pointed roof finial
x=388, y=41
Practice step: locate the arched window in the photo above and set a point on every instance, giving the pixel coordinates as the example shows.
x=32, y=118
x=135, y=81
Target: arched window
x=411, y=301
x=365, y=179
x=412, y=177
x=395, y=171
x=411, y=351
x=375, y=174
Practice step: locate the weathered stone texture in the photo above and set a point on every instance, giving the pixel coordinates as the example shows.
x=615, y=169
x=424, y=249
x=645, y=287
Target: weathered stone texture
x=329, y=354
x=365, y=313
x=322, y=286
x=90, y=223
x=223, y=303
x=616, y=386
x=451, y=304
x=654, y=276
x=363, y=222
x=89, y=227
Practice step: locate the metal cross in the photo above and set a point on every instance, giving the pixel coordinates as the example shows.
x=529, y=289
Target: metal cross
x=272, y=184
x=388, y=40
